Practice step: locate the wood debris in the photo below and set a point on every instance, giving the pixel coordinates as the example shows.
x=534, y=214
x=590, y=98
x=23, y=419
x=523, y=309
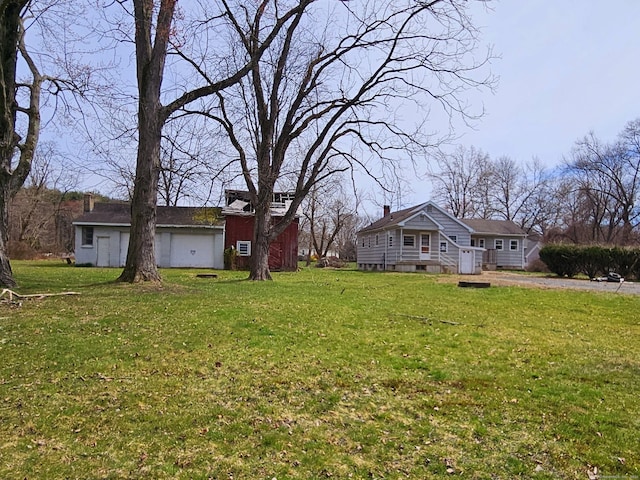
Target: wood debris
x=10, y=295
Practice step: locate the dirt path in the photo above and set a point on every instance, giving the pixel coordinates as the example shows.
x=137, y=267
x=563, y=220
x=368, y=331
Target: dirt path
x=510, y=278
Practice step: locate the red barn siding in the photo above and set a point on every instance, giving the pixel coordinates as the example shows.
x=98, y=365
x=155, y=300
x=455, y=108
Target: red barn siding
x=283, y=253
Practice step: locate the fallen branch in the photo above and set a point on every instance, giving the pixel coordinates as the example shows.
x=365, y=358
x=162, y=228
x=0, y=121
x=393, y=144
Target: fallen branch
x=10, y=294
x=431, y=320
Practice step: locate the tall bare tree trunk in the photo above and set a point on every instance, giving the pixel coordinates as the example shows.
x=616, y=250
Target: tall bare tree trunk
x=141, y=261
x=150, y=60
x=261, y=243
x=12, y=179
x=9, y=22
x=6, y=274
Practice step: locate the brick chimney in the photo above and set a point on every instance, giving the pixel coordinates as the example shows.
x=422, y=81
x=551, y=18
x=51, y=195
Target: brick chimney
x=386, y=210
x=88, y=202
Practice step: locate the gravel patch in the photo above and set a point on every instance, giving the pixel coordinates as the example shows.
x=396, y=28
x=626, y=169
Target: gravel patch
x=510, y=278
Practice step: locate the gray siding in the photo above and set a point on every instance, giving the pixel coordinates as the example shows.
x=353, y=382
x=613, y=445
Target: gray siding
x=506, y=258
x=370, y=253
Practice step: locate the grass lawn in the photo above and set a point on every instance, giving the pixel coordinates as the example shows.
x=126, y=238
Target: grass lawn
x=319, y=374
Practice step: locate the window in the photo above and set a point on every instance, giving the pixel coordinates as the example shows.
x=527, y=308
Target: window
x=362, y=242
x=513, y=245
x=481, y=242
x=499, y=244
x=87, y=235
x=390, y=240
x=369, y=239
x=376, y=239
x=409, y=240
x=454, y=238
x=444, y=247
x=244, y=248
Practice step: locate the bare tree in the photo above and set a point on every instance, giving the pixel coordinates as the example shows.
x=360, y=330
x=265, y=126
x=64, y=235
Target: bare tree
x=326, y=97
x=25, y=89
x=608, y=176
x=346, y=239
x=516, y=190
x=546, y=206
x=458, y=179
x=192, y=169
x=16, y=149
x=11, y=179
x=155, y=39
x=327, y=210
x=37, y=209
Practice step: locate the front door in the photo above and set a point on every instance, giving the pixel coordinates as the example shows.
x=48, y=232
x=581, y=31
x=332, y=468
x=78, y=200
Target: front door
x=425, y=246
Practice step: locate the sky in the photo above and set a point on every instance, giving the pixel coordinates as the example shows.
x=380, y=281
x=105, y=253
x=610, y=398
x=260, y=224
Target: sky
x=566, y=67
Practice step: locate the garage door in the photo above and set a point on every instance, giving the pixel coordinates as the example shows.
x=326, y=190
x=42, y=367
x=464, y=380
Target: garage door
x=192, y=250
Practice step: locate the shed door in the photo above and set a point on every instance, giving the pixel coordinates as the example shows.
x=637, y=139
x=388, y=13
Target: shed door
x=103, y=252
x=425, y=246
x=467, y=259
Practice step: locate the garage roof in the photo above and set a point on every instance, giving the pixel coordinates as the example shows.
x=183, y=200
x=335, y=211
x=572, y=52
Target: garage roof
x=120, y=214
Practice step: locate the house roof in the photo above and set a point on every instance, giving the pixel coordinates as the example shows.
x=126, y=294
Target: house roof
x=493, y=227
x=120, y=214
x=478, y=226
x=397, y=218
x=392, y=219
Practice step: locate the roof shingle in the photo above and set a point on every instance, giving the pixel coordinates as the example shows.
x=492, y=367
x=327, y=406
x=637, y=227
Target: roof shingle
x=120, y=214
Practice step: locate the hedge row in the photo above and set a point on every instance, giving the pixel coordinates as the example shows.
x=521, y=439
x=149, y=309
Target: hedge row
x=592, y=260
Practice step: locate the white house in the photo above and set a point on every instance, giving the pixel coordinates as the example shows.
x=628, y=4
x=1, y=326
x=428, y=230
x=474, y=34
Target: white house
x=426, y=237
x=185, y=236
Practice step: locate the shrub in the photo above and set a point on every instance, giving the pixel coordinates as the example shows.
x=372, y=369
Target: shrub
x=625, y=261
x=592, y=260
x=561, y=259
x=230, y=259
